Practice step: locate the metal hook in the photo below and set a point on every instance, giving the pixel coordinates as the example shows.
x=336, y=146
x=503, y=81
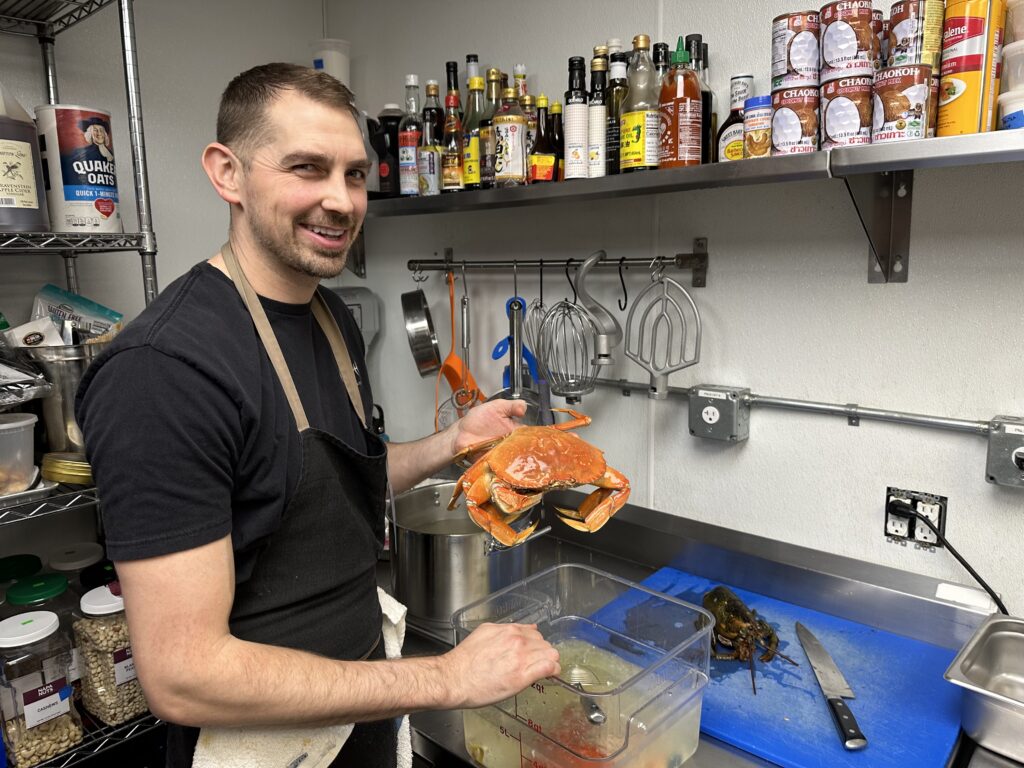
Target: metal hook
x=465, y=285
x=419, y=276
x=657, y=268
x=625, y=296
x=568, y=263
x=515, y=277
x=542, y=282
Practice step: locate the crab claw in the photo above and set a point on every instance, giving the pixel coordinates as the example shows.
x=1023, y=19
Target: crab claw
x=598, y=508
x=495, y=523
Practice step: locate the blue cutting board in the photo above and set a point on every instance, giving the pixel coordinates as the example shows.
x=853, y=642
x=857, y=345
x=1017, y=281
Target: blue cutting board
x=908, y=712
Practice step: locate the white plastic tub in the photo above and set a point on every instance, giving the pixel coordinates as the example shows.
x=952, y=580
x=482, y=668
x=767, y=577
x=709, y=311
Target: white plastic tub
x=1013, y=64
x=1015, y=19
x=16, y=451
x=1011, y=110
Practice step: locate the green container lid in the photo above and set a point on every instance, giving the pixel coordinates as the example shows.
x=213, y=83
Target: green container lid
x=34, y=590
x=19, y=567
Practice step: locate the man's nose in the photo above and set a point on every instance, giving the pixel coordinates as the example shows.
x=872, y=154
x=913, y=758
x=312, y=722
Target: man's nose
x=339, y=197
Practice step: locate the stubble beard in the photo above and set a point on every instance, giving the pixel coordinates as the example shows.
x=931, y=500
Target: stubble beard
x=303, y=258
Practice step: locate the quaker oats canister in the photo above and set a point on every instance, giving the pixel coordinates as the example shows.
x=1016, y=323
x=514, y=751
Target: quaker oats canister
x=846, y=106
x=794, y=121
x=901, y=103
x=795, y=55
x=77, y=150
x=849, y=40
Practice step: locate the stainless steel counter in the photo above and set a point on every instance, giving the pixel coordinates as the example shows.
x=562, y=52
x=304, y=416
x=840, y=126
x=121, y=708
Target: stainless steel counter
x=638, y=541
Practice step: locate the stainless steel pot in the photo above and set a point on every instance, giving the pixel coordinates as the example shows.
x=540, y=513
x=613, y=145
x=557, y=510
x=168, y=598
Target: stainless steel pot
x=64, y=368
x=439, y=560
x=419, y=327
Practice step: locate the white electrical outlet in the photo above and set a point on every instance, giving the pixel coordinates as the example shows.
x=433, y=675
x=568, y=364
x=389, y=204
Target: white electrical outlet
x=896, y=525
x=922, y=532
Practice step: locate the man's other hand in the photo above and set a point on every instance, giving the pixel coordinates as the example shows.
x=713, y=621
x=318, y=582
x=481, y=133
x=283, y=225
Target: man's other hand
x=486, y=421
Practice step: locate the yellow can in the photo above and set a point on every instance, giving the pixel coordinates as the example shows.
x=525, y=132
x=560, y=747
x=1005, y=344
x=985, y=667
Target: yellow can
x=972, y=42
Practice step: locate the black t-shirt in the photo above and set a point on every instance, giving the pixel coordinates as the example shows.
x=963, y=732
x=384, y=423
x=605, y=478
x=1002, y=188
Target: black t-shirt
x=187, y=428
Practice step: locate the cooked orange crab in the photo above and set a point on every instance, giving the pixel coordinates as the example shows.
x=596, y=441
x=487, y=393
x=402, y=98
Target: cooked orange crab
x=510, y=479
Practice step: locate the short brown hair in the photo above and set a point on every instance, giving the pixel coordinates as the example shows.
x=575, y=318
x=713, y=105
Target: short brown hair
x=244, y=102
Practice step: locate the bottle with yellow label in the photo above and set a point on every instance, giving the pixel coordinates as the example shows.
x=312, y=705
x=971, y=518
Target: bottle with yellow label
x=638, y=125
x=543, y=160
x=471, y=135
x=510, y=142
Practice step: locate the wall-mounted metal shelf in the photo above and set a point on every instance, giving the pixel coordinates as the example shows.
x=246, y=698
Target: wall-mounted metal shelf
x=63, y=502
x=23, y=17
x=879, y=179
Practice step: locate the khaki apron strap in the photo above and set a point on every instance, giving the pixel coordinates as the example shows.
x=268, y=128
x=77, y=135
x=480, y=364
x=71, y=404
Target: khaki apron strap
x=341, y=356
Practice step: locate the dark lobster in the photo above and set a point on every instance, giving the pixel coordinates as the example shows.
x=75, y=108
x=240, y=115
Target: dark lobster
x=741, y=629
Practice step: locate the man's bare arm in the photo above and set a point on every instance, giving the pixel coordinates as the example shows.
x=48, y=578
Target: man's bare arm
x=194, y=672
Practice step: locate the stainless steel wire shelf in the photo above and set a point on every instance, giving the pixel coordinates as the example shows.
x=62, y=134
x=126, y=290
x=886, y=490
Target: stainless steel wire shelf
x=103, y=740
x=34, y=18
x=65, y=242
x=63, y=502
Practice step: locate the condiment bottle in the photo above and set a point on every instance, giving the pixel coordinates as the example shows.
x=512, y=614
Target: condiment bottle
x=729, y=145
x=428, y=154
x=410, y=130
x=492, y=101
x=451, y=69
x=519, y=75
x=543, y=160
x=662, y=60
x=471, y=135
x=472, y=67
x=527, y=104
x=510, y=142
x=557, y=138
x=638, y=126
x=694, y=44
x=680, y=107
x=576, y=131
x=617, y=89
x=597, y=118
x=389, y=117
x=451, y=145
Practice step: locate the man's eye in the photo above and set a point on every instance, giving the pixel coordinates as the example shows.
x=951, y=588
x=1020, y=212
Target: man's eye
x=305, y=168
x=357, y=173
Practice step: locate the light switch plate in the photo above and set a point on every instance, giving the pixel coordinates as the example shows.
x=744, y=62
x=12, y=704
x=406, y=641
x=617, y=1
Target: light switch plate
x=1005, y=464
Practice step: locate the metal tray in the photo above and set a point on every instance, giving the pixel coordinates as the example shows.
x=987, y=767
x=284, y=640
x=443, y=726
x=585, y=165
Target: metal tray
x=41, y=491
x=990, y=668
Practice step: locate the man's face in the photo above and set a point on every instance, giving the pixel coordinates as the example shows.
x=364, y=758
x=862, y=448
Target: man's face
x=304, y=188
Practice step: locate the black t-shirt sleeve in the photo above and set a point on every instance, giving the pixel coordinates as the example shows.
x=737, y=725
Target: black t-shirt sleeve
x=162, y=439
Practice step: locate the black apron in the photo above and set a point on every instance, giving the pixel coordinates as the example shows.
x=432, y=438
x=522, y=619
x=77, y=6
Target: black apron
x=314, y=585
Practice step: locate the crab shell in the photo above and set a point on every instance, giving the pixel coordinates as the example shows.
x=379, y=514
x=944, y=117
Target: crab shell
x=542, y=458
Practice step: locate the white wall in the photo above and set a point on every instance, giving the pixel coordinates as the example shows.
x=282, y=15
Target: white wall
x=788, y=311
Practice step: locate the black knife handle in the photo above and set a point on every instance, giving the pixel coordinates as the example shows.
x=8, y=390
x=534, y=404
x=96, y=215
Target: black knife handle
x=849, y=731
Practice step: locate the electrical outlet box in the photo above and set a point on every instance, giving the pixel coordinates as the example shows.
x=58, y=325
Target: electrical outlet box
x=900, y=527
x=720, y=413
x=1005, y=465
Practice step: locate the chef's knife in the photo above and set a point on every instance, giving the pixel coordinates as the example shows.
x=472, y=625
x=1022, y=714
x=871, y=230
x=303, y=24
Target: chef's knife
x=835, y=688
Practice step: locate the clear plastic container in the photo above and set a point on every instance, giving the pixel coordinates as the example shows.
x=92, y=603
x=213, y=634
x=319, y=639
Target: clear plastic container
x=110, y=688
x=16, y=465
x=47, y=592
x=39, y=717
x=1013, y=64
x=634, y=666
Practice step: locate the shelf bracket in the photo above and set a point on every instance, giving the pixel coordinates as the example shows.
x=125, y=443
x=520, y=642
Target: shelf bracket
x=884, y=203
x=696, y=261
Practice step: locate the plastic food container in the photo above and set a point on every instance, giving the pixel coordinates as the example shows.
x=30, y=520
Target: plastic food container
x=634, y=666
x=110, y=688
x=47, y=592
x=71, y=559
x=16, y=466
x=1011, y=110
x=1015, y=19
x=1013, y=63
x=39, y=718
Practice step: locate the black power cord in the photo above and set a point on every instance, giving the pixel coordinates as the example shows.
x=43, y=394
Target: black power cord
x=903, y=509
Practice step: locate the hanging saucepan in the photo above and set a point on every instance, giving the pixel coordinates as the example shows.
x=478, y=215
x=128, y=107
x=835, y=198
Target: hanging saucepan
x=420, y=330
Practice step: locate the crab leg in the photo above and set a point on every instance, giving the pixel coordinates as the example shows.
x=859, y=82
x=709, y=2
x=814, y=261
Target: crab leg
x=481, y=446
x=469, y=477
x=578, y=419
x=599, y=506
x=485, y=512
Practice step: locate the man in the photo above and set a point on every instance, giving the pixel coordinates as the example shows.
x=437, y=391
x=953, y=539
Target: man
x=242, y=494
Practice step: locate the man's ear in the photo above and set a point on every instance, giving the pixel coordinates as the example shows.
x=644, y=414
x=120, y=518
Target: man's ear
x=224, y=170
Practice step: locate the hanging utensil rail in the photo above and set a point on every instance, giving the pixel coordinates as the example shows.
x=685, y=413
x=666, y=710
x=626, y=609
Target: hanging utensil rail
x=697, y=261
